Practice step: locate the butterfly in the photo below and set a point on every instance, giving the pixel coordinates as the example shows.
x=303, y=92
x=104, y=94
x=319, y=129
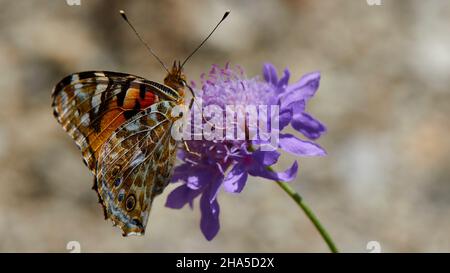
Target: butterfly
x=122, y=125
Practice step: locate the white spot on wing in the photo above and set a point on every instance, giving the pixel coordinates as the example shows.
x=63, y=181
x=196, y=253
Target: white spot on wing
x=100, y=88
x=81, y=95
x=63, y=98
x=99, y=74
x=96, y=100
x=85, y=120
x=138, y=158
x=132, y=126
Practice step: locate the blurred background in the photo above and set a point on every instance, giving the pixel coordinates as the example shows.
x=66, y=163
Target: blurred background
x=384, y=96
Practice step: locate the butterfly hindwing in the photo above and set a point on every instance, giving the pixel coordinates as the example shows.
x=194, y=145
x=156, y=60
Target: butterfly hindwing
x=121, y=123
x=135, y=164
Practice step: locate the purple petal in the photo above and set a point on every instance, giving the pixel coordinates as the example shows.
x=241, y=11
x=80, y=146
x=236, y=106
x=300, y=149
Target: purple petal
x=181, y=196
x=216, y=183
x=209, y=222
x=293, y=99
x=197, y=177
x=298, y=107
x=285, y=118
x=265, y=158
x=307, y=85
x=302, y=90
x=307, y=125
x=284, y=80
x=299, y=147
x=286, y=176
x=181, y=172
x=289, y=174
x=270, y=74
x=236, y=179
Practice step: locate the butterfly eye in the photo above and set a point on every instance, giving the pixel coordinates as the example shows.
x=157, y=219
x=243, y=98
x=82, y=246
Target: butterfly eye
x=130, y=203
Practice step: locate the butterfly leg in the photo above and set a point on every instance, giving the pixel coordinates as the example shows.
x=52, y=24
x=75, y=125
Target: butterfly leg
x=191, y=103
x=193, y=97
x=186, y=147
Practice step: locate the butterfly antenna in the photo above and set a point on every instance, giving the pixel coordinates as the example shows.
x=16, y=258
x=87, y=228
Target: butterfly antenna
x=124, y=16
x=207, y=37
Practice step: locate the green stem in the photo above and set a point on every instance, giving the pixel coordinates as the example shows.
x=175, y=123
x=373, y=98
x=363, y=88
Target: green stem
x=312, y=217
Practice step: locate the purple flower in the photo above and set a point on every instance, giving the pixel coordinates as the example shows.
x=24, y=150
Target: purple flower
x=210, y=165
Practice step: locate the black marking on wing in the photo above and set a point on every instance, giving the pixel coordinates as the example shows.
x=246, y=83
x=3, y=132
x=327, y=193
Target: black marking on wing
x=123, y=93
x=103, y=107
x=164, y=88
x=136, y=109
x=142, y=91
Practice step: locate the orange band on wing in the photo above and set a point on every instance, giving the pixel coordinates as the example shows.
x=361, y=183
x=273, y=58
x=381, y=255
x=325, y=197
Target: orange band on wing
x=135, y=100
x=138, y=100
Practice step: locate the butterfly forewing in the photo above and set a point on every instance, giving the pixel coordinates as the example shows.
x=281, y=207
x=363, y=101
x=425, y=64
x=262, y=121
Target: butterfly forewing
x=91, y=105
x=121, y=123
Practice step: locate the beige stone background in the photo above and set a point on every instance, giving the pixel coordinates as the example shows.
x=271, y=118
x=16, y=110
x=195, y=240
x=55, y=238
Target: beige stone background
x=384, y=96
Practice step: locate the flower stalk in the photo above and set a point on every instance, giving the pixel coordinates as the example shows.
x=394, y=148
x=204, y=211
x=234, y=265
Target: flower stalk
x=310, y=214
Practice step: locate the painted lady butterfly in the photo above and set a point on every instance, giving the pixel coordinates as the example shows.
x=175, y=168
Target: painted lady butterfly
x=122, y=125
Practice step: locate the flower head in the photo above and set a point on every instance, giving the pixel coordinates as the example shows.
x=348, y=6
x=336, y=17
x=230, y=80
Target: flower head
x=212, y=164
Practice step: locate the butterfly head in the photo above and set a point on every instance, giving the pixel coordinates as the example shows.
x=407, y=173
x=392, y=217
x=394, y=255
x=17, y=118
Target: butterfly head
x=176, y=78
